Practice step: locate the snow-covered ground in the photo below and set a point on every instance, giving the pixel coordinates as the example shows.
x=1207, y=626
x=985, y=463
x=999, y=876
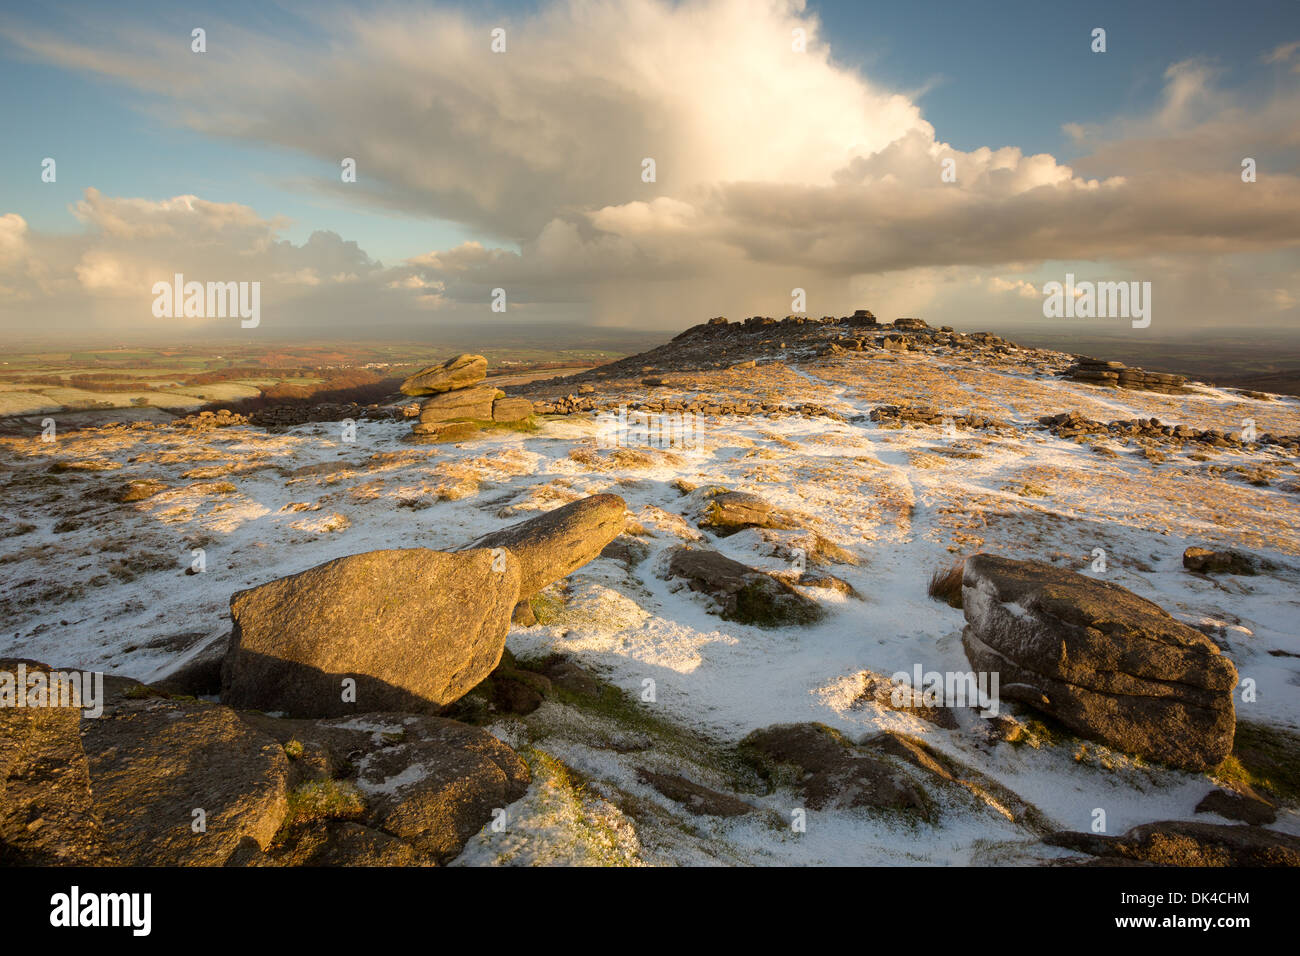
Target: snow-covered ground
x=100, y=584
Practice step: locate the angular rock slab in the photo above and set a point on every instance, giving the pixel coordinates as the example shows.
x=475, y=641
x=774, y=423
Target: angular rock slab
x=560, y=541
x=459, y=372
x=463, y=403
x=415, y=629
x=1106, y=663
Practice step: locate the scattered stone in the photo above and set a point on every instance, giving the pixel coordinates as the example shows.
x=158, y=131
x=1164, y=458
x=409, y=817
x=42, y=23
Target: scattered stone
x=733, y=511
x=743, y=594
x=831, y=773
x=1231, y=561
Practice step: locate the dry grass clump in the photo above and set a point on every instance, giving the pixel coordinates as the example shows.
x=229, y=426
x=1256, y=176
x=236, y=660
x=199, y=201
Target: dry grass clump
x=945, y=585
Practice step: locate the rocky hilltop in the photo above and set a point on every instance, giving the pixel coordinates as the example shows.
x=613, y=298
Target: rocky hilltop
x=778, y=591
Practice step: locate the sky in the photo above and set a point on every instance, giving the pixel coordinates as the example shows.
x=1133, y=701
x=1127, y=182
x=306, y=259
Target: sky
x=945, y=160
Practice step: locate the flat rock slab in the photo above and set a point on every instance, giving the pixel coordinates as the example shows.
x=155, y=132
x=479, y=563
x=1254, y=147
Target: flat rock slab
x=415, y=630
x=459, y=372
x=560, y=541
x=1106, y=663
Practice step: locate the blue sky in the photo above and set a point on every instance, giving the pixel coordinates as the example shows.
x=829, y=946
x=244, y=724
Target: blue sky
x=1182, y=92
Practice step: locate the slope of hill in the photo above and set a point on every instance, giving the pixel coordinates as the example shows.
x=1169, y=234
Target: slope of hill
x=891, y=453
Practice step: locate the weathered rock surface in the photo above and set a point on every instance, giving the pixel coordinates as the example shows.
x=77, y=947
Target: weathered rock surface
x=832, y=774
x=734, y=511
x=47, y=813
x=1108, y=664
x=695, y=798
x=1182, y=843
x=459, y=372
x=428, y=783
x=1246, y=807
x=154, y=761
x=511, y=409
x=1230, y=561
x=415, y=629
x=556, y=543
x=743, y=594
x=473, y=403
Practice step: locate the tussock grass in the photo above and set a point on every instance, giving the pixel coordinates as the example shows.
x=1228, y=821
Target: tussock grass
x=945, y=585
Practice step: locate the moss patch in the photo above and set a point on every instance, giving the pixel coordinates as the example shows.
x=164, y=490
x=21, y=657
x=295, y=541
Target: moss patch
x=1264, y=758
x=324, y=800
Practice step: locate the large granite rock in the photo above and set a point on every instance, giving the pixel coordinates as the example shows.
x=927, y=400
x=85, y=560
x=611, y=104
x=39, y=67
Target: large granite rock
x=414, y=628
x=1106, y=663
x=560, y=541
x=474, y=403
x=459, y=372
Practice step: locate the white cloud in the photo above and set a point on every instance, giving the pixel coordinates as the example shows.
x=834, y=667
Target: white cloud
x=775, y=168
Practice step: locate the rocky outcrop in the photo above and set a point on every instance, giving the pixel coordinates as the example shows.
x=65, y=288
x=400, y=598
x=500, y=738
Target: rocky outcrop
x=459, y=372
x=741, y=593
x=1183, y=843
x=423, y=785
x=1100, y=372
x=460, y=406
x=556, y=543
x=410, y=629
x=1108, y=664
